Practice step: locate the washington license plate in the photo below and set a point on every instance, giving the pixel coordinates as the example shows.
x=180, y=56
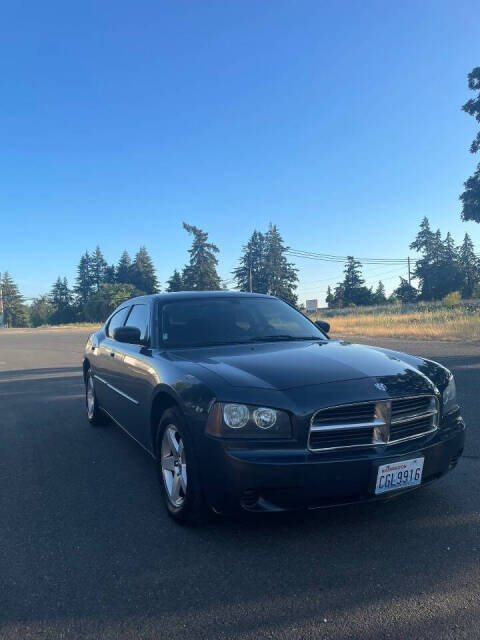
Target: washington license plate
x=399, y=475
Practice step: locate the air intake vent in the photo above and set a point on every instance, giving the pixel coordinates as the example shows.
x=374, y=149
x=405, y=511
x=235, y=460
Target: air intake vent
x=345, y=415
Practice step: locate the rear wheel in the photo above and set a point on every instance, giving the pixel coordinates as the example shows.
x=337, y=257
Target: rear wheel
x=178, y=470
x=95, y=415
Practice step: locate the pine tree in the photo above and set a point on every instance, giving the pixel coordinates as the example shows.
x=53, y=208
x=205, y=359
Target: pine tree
x=98, y=268
x=379, y=295
x=353, y=275
x=405, y=292
x=281, y=275
x=449, y=277
x=15, y=314
x=175, y=283
x=84, y=281
x=430, y=246
x=438, y=268
x=143, y=273
x=110, y=274
x=469, y=267
x=41, y=310
x=470, y=198
x=251, y=274
x=329, y=297
x=62, y=300
x=352, y=290
x=124, y=269
x=201, y=272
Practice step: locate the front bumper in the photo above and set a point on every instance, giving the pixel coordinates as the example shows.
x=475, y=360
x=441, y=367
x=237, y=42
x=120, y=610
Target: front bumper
x=283, y=479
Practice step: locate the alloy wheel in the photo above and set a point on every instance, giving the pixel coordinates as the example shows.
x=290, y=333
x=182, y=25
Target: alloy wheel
x=174, y=466
x=90, y=398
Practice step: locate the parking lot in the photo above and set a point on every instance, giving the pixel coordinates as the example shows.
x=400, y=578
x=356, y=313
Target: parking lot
x=86, y=550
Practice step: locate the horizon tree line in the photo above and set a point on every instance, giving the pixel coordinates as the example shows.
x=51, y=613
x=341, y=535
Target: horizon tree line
x=442, y=268
x=263, y=267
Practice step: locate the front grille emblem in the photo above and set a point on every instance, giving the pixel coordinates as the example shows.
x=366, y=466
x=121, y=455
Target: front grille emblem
x=383, y=418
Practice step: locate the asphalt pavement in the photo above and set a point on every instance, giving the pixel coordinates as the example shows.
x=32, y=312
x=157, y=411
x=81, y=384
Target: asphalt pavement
x=86, y=550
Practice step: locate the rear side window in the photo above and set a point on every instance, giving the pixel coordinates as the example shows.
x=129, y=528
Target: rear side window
x=139, y=318
x=117, y=320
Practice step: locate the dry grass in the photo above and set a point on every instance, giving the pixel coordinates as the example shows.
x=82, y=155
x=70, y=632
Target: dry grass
x=82, y=326
x=440, y=324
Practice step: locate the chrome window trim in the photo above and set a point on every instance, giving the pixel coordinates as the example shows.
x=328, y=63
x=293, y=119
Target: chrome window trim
x=382, y=407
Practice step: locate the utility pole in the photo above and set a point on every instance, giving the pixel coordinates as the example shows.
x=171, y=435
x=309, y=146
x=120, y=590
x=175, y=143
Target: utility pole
x=250, y=280
x=1, y=302
x=409, y=272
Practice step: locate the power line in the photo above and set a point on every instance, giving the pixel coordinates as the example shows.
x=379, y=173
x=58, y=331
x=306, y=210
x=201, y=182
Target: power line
x=325, y=257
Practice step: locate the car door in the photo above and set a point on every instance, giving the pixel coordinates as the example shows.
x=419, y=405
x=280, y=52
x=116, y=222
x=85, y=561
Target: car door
x=137, y=377
x=106, y=363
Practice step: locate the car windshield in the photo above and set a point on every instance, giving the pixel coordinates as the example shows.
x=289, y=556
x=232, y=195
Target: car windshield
x=210, y=321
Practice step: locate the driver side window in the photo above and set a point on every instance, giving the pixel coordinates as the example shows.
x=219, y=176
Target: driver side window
x=117, y=320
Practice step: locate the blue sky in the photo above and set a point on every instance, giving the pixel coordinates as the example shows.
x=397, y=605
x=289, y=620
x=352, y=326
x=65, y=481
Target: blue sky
x=338, y=121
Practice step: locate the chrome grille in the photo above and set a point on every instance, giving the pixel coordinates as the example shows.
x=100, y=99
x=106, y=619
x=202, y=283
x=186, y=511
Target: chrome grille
x=368, y=424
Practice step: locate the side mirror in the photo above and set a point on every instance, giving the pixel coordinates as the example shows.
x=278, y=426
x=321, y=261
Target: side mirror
x=131, y=335
x=323, y=326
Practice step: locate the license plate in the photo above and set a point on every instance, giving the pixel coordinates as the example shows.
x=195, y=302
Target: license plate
x=399, y=475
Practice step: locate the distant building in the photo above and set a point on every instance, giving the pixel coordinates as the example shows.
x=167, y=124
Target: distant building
x=311, y=306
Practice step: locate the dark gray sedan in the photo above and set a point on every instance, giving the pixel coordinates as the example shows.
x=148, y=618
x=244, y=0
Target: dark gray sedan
x=244, y=403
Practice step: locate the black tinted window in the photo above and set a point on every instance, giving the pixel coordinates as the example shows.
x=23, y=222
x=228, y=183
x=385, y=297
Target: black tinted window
x=233, y=320
x=117, y=320
x=139, y=318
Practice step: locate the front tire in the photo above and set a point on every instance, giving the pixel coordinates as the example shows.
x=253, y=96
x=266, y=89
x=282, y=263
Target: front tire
x=95, y=415
x=178, y=471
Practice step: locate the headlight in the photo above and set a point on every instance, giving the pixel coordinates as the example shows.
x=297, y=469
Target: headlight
x=450, y=396
x=235, y=415
x=248, y=422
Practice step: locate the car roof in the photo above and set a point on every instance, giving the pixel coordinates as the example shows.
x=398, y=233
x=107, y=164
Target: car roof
x=195, y=295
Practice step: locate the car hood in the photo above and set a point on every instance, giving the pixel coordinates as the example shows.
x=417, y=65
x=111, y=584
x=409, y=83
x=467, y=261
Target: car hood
x=288, y=365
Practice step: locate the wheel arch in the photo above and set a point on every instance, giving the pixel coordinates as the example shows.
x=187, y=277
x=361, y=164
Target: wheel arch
x=162, y=401
x=86, y=367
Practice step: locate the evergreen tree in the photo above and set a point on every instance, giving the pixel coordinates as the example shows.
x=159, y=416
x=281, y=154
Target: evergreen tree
x=329, y=299
x=201, y=272
x=143, y=273
x=405, y=292
x=15, y=313
x=175, y=283
x=280, y=275
x=84, y=281
x=438, y=268
x=352, y=291
x=110, y=274
x=98, y=268
x=41, y=311
x=469, y=267
x=62, y=300
x=124, y=269
x=251, y=274
x=449, y=277
x=101, y=304
x=353, y=275
x=430, y=246
x=470, y=198
x=379, y=295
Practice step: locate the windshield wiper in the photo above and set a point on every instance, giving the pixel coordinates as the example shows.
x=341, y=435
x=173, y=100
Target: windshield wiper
x=285, y=337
